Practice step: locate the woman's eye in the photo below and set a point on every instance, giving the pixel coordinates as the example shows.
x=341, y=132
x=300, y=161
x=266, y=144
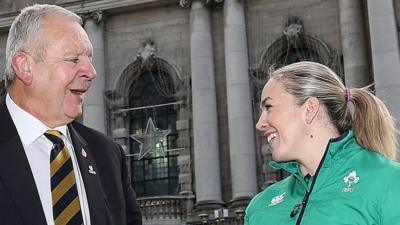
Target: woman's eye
x=268, y=108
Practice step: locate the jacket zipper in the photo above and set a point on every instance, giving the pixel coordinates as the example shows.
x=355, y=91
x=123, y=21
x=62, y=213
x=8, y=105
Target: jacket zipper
x=302, y=206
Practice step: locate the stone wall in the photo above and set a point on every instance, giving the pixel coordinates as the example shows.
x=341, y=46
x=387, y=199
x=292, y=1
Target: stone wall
x=6, y=6
x=125, y=33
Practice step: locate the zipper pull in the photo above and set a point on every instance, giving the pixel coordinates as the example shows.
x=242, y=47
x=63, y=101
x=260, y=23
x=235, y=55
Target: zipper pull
x=296, y=209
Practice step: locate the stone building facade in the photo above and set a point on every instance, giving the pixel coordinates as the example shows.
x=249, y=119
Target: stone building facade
x=178, y=85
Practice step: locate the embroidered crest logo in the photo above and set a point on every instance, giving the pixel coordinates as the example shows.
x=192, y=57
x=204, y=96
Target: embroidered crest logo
x=277, y=199
x=350, y=179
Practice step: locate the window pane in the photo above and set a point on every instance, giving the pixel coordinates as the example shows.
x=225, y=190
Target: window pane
x=156, y=173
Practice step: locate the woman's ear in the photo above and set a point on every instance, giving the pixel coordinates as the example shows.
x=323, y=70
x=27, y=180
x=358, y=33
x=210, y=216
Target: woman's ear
x=312, y=105
x=22, y=67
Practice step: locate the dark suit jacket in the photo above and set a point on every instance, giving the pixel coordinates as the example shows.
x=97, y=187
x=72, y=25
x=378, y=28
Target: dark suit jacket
x=111, y=198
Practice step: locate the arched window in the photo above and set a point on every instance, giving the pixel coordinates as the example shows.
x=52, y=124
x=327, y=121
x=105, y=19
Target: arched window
x=293, y=46
x=156, y=173
x=296, y=55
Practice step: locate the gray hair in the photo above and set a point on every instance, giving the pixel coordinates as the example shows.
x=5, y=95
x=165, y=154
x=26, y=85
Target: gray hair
x=26, y=34
x=369, y=117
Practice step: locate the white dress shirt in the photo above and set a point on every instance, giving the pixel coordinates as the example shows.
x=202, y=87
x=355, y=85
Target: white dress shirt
x=37, y=149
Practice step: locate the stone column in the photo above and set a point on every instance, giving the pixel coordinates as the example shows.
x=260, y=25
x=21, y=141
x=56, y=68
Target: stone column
x=385, y=53
x=354, y=46
x=94, y=107
x=205, y=126
x=240, y=117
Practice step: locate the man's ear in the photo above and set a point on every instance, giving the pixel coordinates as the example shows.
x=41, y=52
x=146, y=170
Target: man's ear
x=312, y=106
x=22, y=67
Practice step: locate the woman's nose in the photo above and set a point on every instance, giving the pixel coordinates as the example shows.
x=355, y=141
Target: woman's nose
x=262, y=123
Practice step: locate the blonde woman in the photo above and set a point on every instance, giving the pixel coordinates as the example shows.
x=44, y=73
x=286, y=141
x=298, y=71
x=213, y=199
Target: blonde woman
x=337, y=143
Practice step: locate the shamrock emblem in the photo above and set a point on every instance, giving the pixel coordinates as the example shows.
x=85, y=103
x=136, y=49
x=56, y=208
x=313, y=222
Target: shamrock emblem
x=351, y=179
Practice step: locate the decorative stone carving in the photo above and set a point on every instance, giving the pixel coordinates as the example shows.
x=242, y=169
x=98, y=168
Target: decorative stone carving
x=147, y=54
x=188, y=3
x=98, y=16
x=293, y=27
x=185, y=3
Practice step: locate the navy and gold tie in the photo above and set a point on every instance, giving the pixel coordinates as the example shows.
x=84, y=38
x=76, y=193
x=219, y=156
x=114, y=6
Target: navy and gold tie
x=66, y=206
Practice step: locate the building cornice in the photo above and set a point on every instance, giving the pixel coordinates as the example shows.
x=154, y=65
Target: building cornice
x=88, y=6
x=188, y=3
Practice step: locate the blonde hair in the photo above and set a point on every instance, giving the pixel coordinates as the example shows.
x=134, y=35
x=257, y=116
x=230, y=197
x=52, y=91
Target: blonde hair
x=371, y=121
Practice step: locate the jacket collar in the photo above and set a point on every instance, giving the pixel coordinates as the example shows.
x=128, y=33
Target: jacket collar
x=90, y=175
x=337, y=145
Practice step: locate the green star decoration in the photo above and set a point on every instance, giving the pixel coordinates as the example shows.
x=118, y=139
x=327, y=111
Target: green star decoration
x=151, y=139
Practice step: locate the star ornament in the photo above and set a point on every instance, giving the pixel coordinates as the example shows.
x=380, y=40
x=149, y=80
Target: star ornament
x=151, y=139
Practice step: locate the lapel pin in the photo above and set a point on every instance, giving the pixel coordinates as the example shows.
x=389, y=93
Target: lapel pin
x=84, y=154
x=91, y=171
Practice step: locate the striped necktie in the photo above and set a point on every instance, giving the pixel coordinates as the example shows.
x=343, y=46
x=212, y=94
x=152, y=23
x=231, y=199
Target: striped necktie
x=66, y=206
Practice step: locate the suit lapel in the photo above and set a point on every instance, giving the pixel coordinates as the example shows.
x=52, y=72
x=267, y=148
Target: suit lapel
x=90, y=176
x=16, y=173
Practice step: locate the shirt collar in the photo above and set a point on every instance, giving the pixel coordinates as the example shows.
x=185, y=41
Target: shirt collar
x=29, y=127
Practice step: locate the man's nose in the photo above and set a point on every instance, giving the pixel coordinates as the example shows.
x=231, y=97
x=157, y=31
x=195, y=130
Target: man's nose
x=89, y=70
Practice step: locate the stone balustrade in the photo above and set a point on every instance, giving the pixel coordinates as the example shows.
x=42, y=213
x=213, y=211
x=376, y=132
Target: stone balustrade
x=163, y=207
x=219, y=221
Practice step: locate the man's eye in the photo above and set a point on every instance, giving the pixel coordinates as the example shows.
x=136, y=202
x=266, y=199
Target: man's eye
x=74, y=60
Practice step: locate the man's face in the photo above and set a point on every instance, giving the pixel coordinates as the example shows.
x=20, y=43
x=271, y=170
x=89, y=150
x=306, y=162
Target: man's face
x=62, y=78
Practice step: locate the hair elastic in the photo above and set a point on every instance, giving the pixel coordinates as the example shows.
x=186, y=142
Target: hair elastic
x=349, y=95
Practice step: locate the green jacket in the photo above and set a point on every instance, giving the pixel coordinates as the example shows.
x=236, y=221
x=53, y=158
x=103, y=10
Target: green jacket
x=352, y=186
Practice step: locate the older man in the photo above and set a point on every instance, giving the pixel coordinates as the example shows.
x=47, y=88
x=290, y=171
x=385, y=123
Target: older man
x=54, y=170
